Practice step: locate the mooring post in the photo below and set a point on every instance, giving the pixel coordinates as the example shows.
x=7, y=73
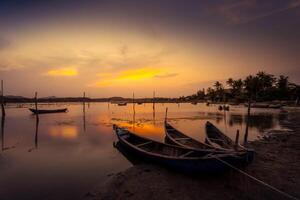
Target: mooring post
x=166, y=116
x=153, y=100
x=2, y=99
x=247, y=122
x=237, y=138
x=36, y=106
x=83, y=109
x=133, y=102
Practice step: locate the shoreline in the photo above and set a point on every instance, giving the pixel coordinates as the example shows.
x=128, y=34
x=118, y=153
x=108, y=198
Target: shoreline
x=277, y=162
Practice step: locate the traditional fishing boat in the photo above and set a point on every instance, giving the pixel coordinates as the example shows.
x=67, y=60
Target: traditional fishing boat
x=176, y=137
x=41, y=111
x=122, y=104
x=217, y=138
x=175, y=157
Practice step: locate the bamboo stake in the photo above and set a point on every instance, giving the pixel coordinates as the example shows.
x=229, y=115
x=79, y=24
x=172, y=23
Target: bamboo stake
x=2, y=99
x=36, y=105
x=247, y=123
x=83, y=109
x=166, y=116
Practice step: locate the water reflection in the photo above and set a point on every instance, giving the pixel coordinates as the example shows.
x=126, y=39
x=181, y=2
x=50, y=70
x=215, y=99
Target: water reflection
x=36, y=135
x=259, y=121
x=65, y=154
x=64, y=131
x=3, y=146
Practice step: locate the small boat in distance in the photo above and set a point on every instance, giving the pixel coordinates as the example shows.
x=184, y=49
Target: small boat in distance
x=41, y=111
x=176, y=157
x=122, y=104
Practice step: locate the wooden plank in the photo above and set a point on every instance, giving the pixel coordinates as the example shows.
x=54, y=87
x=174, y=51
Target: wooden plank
x=139, y=145
x=186, y=154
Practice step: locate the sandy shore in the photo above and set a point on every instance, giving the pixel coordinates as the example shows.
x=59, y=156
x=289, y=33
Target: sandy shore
x=277, y=163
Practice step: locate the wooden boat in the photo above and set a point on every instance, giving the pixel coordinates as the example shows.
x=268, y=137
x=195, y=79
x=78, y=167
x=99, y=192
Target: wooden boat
x=176, y=137
x=122, y=104
x=215, y=137
x=175, y=157
x=41, y=111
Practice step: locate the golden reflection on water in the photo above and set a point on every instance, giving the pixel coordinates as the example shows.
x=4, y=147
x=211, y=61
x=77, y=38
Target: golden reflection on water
x=149, y=130
x=64, y=131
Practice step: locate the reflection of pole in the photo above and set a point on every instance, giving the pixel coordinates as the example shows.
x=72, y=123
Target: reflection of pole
x=153, y=107
x=133, y=116
x=83, y=110
x=2, y=99
x=2, y=132
x=247, y=123
x=36, y=132
x=133, y=103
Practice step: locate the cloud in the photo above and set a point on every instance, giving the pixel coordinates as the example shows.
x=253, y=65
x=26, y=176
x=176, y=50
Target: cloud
x=167, y=75
x=63, y=72
x=246, y=11
x=127, y=76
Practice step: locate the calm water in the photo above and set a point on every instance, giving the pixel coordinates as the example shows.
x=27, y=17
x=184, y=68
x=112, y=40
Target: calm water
x=67, y=154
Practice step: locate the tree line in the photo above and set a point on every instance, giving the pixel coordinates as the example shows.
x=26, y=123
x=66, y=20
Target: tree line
x=259, y=87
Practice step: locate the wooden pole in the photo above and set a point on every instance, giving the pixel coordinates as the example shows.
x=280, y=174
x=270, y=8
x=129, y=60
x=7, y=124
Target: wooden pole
x=166, y=116
x=2, y=99
x=153, y=107
x=133, y=102
x=83, y=109
x=36, y=105
x=247, y=122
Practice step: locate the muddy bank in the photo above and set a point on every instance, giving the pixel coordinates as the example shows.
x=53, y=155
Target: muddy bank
x=277, y=163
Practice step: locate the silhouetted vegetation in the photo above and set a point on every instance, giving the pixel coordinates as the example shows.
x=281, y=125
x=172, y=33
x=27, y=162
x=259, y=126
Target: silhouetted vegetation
x=259, y=87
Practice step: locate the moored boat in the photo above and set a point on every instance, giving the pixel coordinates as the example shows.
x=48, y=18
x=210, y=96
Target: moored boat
x=176, y=137
x=217, y=138
x=175, y=157
x=43, y=111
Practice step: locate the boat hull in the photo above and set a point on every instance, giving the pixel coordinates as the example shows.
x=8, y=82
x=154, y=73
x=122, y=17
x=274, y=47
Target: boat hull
x=34, y=111
x=187, y=165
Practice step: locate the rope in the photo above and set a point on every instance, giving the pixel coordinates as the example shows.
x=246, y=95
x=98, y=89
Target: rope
x=259, y=181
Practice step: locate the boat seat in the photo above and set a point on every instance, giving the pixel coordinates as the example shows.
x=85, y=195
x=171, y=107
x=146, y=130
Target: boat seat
x=143, y=144
x=186, y=154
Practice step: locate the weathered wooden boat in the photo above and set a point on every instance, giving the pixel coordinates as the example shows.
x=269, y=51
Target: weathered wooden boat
x=217, y=138
x=176, y=137
x=41, y=111
x=175, y=157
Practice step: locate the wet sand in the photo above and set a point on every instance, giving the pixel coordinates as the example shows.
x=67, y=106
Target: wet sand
x=277, y=162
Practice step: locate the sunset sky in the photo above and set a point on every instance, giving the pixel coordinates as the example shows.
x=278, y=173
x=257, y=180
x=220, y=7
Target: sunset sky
x=116, y=47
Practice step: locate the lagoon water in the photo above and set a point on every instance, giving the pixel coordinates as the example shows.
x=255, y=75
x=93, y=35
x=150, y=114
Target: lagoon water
x=67, y=154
